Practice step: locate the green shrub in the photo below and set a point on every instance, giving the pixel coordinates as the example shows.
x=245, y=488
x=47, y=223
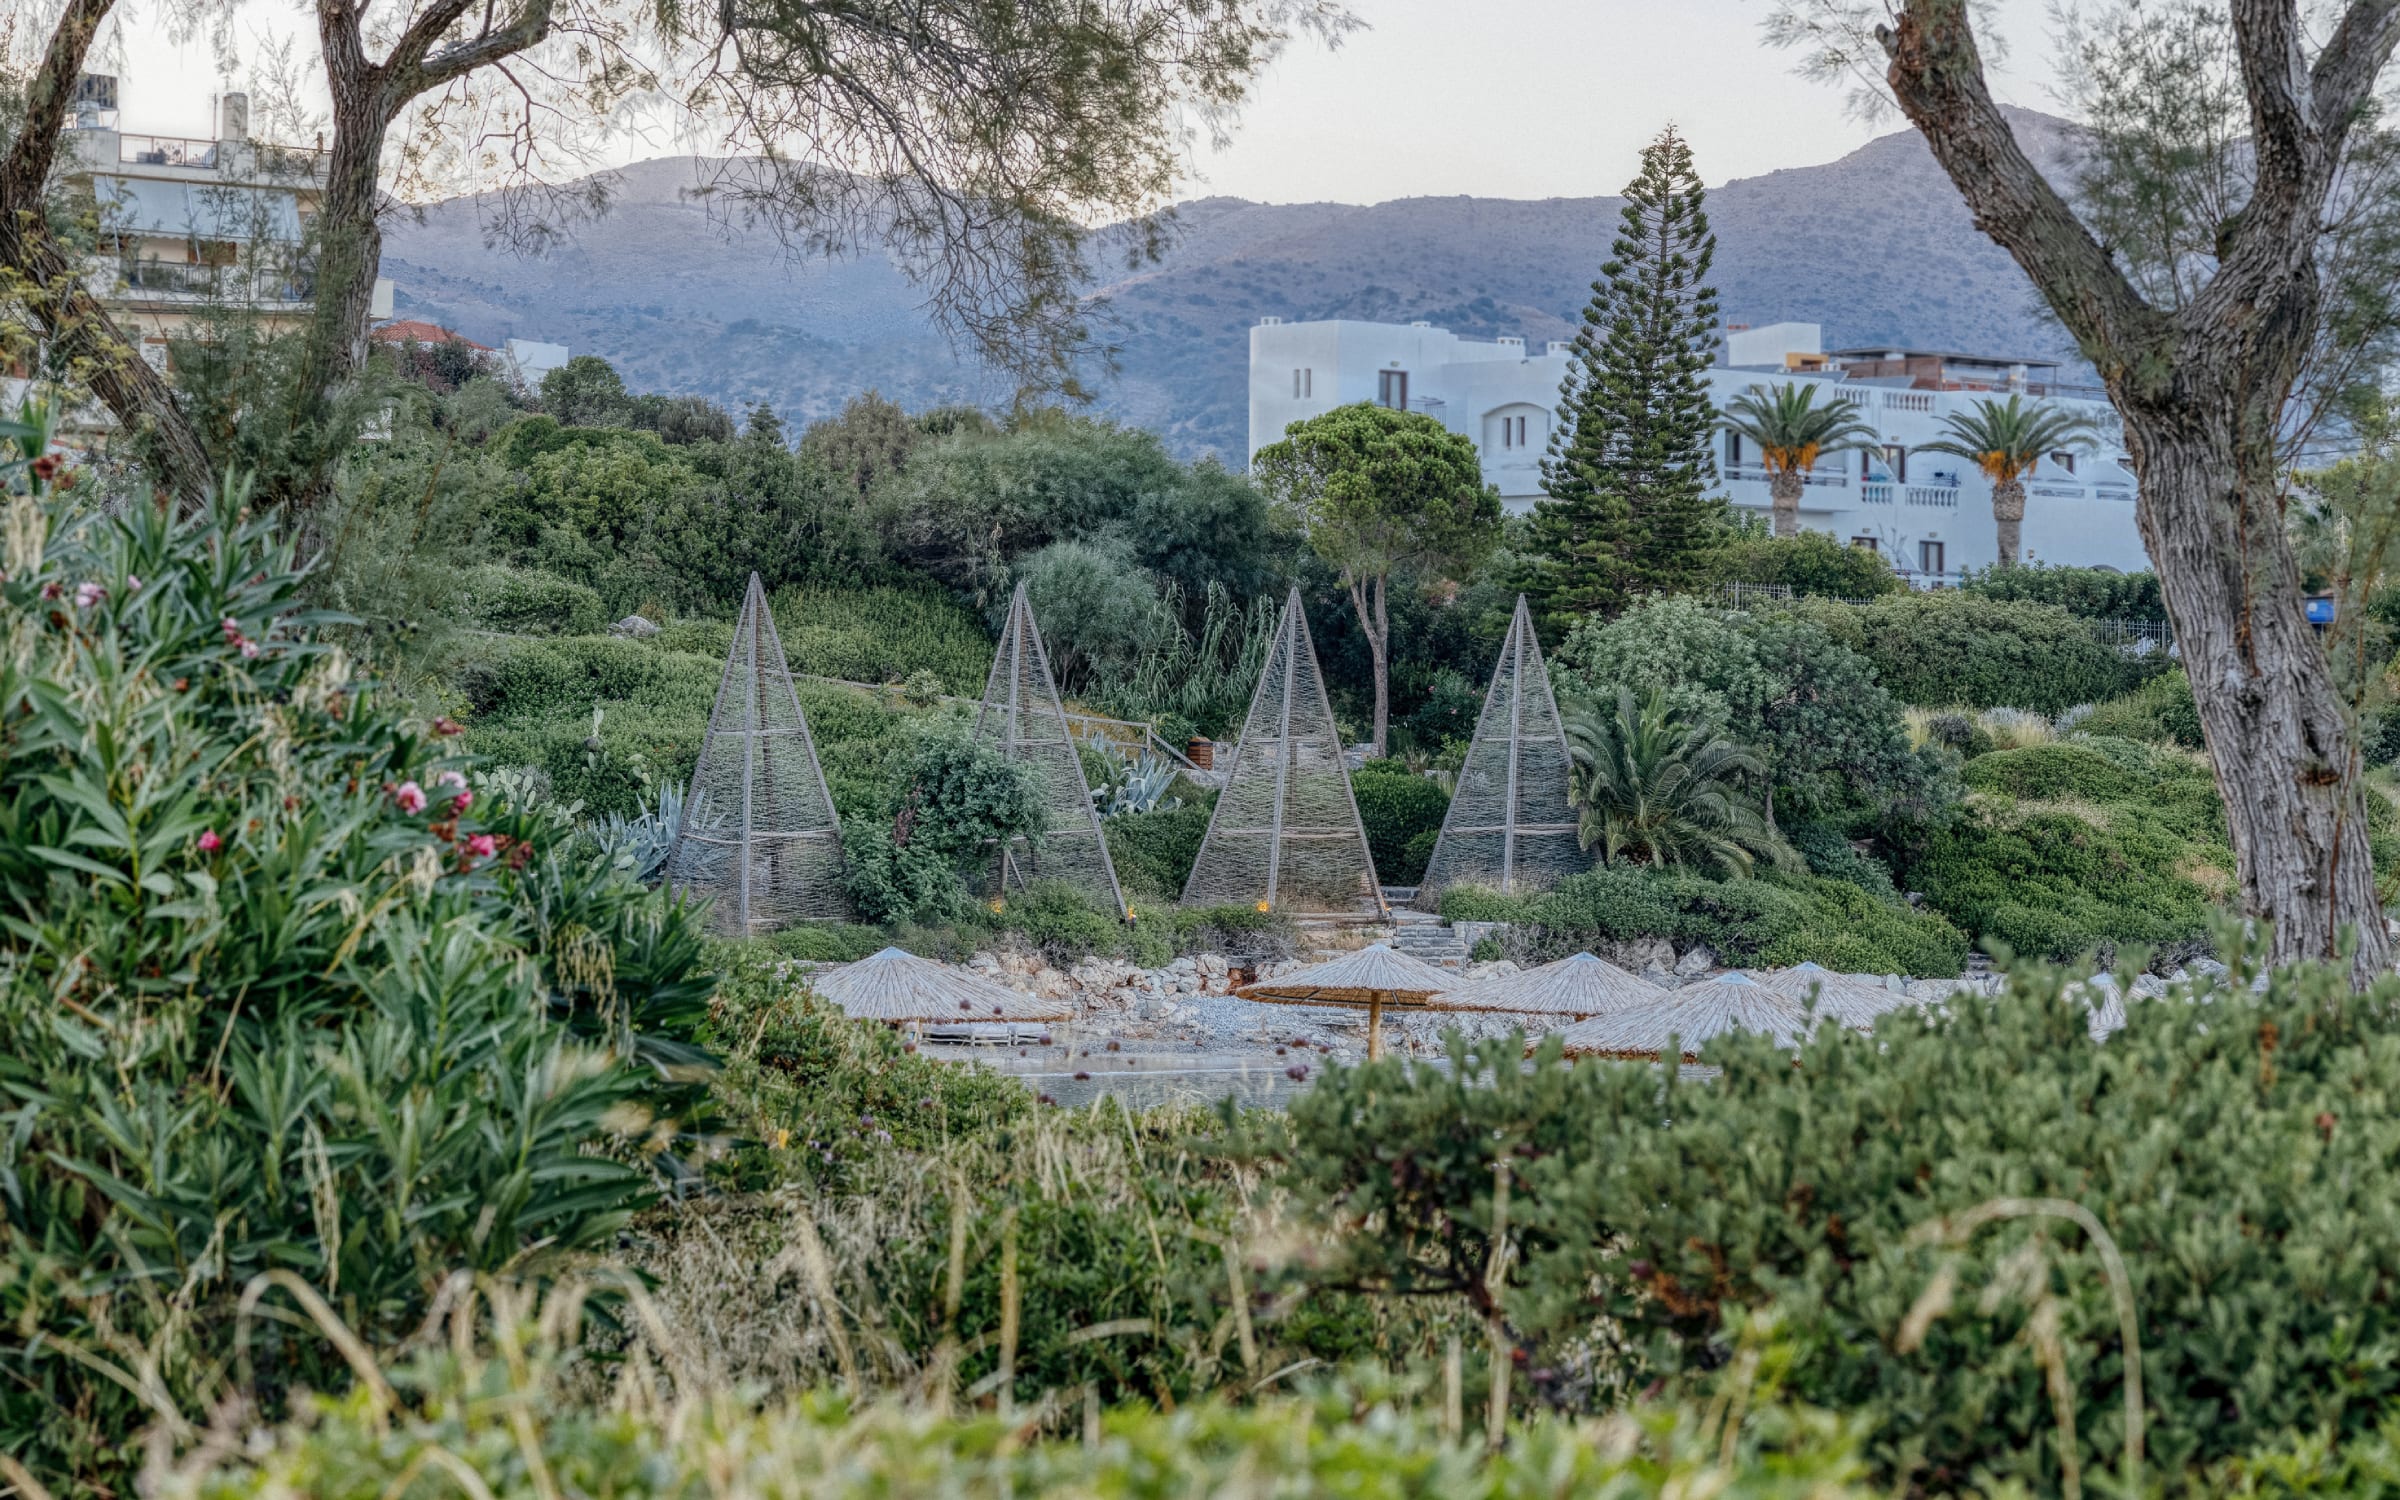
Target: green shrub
x=2237, y=1153
x=2160, y=710
x=952, y=801
x=1810, y=564
x=1774, y=919
x=1947, y=647
x=2093, y=593
x=1398, y=807
x=1154, y=851
x=2068, y=848
x=274, y=996
x=883, y=633
x=525, y=602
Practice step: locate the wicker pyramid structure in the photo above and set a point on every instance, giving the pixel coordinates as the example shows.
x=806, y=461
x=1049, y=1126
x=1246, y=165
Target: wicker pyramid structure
x=1286, y=835
x=1510, y=826
x=1021, y=718
x=759, y=835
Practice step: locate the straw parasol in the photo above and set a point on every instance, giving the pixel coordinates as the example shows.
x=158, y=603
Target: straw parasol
x=1692, y=1016
x=1374, y=977
x=1577, y=987
x=899, y=986
x=1853, y=1002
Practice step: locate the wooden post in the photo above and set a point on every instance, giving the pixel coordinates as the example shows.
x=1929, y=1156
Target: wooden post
x=1374, y=1025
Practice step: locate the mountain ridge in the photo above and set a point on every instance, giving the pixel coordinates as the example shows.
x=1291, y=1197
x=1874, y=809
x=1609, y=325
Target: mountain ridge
x=1874, y=245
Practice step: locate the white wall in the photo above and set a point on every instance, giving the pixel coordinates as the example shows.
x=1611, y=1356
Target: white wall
x=1470, y=386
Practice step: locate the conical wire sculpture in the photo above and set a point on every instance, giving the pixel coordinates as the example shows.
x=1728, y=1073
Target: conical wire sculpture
x=1285, y=835
x=1510, y=825
x=1021, y=718
x=759, y=834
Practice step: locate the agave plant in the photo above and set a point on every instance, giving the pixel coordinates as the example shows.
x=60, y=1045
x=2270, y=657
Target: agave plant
x=1792, y=432
x=1653, y=786
x=639, y=845
x=1143, y=790
x=2005, y=439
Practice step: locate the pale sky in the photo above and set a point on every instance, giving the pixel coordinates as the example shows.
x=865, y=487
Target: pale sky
x=1497, y=98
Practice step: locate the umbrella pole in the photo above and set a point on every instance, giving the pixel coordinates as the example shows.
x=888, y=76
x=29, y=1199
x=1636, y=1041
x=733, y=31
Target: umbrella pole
x=1374, y=1025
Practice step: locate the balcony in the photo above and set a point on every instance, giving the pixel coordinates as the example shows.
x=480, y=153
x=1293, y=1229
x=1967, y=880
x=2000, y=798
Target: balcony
x=1930, y=496
x=1877, y=492
x=167, y=151
x=1758, y=473
x=238, y=284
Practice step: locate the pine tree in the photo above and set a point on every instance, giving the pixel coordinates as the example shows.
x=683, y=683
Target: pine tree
x=1629, y=475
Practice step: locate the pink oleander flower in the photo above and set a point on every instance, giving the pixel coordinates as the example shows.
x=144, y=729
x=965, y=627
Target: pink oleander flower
x=209, y=843
x=53, y=591
x=133, y=583
x=249, y=650
x=88, y=593
x=409, y=797
x=461, y=802
x=451, y=779
x=232, y=628
x=481, y=846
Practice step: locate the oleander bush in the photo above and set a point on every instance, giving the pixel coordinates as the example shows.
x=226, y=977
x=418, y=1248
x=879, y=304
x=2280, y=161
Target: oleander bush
x=2237, y=1149
x=278, y=995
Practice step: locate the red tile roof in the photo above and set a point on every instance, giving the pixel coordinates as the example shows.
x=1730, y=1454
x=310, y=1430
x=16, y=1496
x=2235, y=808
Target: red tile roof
x=405, y=329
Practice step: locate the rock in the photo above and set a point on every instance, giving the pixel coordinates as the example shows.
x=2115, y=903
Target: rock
x=2148, y=986
x=1491, y=969
x=1213, y=964
x=1643, y=954
x=983, y=962
x=636, y=627
x=1697, y=962
x=2207, y=968
x=1660, y=975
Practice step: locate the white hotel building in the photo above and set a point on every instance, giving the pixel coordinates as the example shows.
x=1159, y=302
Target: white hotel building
x=1931, y=514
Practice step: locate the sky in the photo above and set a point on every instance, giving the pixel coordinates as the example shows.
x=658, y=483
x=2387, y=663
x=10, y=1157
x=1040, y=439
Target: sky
x=1496, y=98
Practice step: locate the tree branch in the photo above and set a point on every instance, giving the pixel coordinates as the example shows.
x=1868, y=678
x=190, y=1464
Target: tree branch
x=27, y=169
x=2346, y=70
x=531, y=25
x=1937, y=75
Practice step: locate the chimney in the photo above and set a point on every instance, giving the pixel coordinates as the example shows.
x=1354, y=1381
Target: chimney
x=233, y=117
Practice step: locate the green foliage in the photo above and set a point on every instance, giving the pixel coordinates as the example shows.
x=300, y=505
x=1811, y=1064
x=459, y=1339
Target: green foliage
x=1835, y=744
x=2092, y=593
x=1448, y=711
x=2235, y=1152
x=1810, y=563
x=2065, y=848
x=951, y=801
x=518, y=1425
x=968, y=506
x=1100, y=617
x=586, y=391
x=1154, y=851
x=883, y=633
x=1654, y=786
x=1945, y=647
x=1775, y=919
x=2160, y=711
x=1629, y=472
x=1399, y=808
x=521, y=601
x=277, y=995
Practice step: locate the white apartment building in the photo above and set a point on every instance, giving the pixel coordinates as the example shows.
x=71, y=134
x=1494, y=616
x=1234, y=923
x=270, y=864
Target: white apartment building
x=1929, y=513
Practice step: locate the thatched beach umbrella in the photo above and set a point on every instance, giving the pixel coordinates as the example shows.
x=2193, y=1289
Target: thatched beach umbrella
x=897, y=986
x=1853, y=1002
x=1574, y=987
x=1691, y=1016
x=1374, y=978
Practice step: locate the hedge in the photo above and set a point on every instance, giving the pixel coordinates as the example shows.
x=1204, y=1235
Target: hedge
x=1937, y=649
x=1398, y=808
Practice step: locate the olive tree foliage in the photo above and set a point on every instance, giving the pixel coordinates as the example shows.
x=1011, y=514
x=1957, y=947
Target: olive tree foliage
x=2240, y=159
x=974, y=141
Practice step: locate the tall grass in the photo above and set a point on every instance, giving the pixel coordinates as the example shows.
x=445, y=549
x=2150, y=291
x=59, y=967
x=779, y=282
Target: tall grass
x=1201, y=679
x=883, y=633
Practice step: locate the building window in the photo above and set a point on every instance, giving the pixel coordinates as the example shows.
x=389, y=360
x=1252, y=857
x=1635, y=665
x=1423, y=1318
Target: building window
x=1308, y=382
x=1391, y=389
x=1929, y=558
x=1512, y=432
x=1895, y=458
x=1865, y=544
x=2065, y=462
x=1733, y=450
x=1521, y=432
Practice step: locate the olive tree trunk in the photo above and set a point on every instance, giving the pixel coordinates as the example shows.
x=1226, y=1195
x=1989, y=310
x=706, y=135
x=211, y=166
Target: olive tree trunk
x=2008, y=517
x=2202, y=389
x=1784, y=492
x=1375, y=621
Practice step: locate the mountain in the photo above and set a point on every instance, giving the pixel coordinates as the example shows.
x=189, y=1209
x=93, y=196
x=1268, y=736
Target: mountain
x=1875, y=246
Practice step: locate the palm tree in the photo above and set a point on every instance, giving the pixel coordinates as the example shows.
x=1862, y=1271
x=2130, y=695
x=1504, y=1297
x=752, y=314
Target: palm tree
x=1792, y=432
x=1654, y=786
x=2005, y=440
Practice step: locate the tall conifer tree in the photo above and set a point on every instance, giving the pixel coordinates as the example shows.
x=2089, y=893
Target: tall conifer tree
x=1630, y=474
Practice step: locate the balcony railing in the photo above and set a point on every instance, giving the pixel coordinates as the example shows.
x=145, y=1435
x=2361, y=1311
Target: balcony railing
x=167, y=151
x=1940, y=497
x=236, y=283
x=1876, y=492
x=1762, y=475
